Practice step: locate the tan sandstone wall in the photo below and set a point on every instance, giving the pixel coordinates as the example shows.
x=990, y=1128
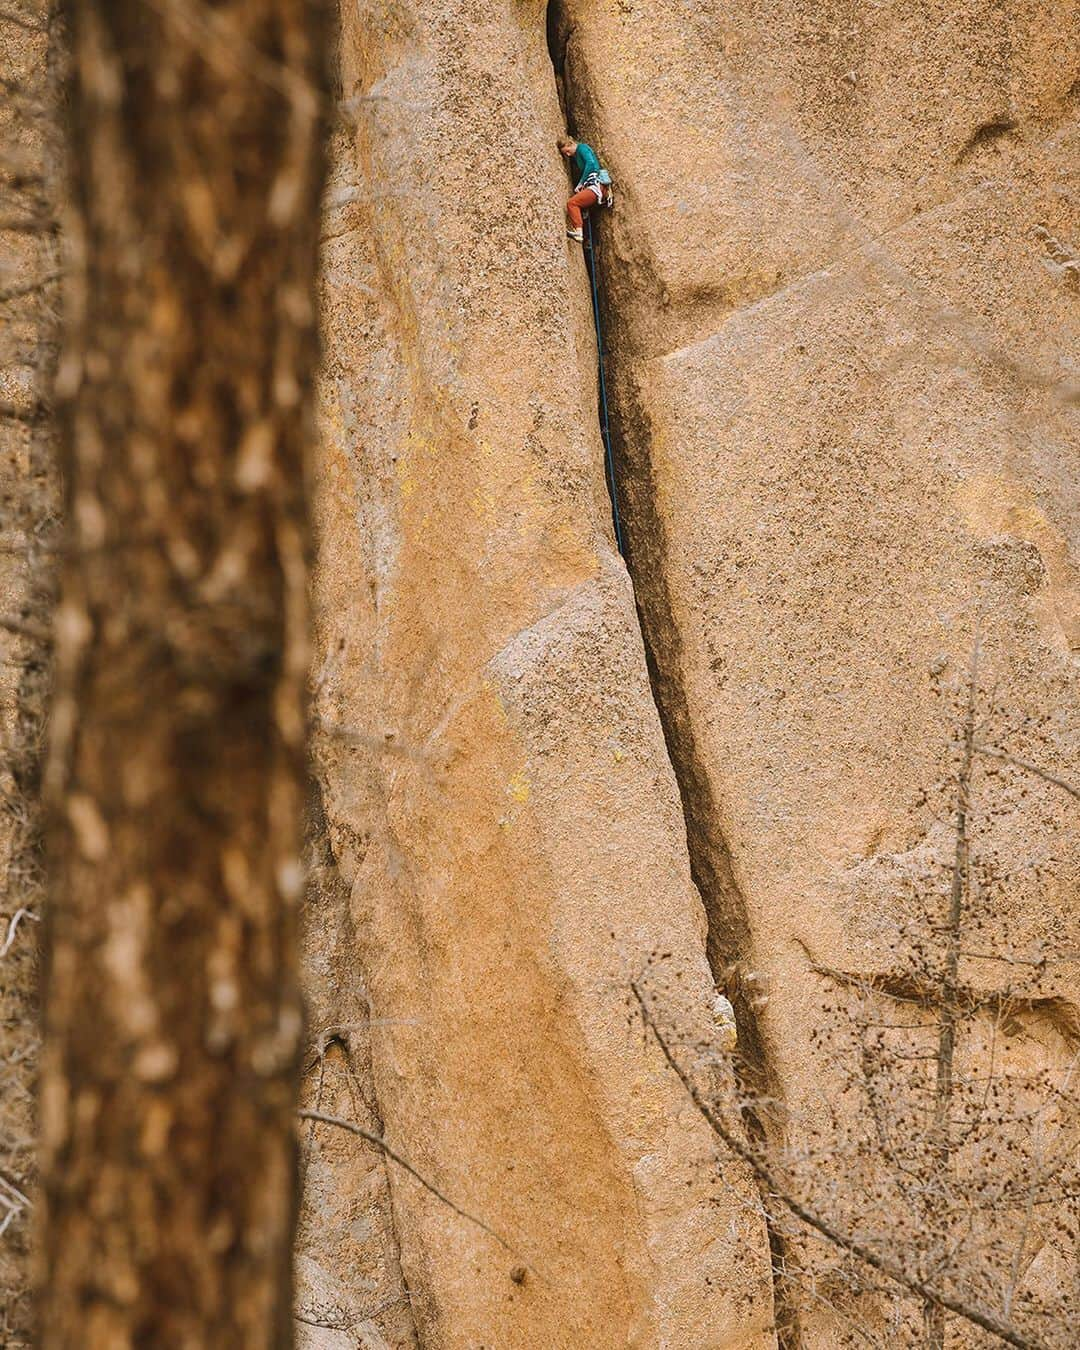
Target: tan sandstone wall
x=846, y=363
x=495, y=779
x=841, y=291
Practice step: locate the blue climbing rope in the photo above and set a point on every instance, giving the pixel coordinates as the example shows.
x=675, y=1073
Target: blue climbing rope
x=605, y=425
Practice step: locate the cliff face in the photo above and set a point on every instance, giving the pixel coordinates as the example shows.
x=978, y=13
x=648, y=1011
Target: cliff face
x=495, y=779
x=843, y=307
x=840, y=288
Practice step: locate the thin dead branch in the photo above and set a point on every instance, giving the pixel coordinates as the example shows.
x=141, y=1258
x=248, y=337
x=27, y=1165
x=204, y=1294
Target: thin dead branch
x=407, y=1166
x=27, y=628
x=13, y=924
x=996, y=752
x=777, y=1189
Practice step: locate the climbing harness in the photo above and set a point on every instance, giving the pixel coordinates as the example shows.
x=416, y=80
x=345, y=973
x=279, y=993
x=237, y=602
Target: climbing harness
x=605, y=425
x=600, y=183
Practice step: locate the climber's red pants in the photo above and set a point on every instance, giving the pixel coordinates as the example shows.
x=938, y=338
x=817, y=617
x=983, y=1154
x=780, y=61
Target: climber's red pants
x=581, y=201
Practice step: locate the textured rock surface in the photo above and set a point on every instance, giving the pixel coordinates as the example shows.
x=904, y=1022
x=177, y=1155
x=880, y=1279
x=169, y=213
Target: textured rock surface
x=842, y=290
x=846, y=368
x=843, y=298
x=350, y=1289
x=26, y=503
x=842, y=295
x=494, y=772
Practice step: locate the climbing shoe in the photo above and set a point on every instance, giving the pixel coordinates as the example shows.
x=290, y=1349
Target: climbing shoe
x=579, y=235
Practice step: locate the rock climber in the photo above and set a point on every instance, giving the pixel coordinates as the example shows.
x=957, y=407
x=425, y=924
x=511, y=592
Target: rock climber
x=592, y=184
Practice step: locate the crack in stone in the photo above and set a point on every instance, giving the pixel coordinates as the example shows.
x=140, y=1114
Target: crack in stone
x=729, y=938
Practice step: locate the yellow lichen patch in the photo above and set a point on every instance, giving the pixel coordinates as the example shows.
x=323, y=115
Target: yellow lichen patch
x=518, y=788
x=532, y=503
x=416, y=445
x=495, y=699
x=485, y=496
x=406, y=482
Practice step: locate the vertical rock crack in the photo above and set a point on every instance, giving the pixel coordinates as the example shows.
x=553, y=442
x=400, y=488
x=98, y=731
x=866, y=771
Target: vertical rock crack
x=729, y=943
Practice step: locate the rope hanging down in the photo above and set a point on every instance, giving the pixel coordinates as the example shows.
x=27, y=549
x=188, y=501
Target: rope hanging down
x=605, y=426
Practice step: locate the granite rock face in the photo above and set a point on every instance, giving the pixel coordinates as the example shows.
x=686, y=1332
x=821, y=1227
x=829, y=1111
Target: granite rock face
x=843, y=288
x=841, y=295
x=496, y=785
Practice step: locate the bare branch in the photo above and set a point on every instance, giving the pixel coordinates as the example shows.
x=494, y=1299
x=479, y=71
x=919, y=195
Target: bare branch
x=396, y=1157
x=13, y=924
x=220, y=42
x=37, y=632
x=995, y=752
x=886, y=1265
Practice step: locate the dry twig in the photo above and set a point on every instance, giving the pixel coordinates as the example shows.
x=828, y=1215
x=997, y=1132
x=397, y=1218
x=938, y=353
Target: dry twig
x=407, y=1166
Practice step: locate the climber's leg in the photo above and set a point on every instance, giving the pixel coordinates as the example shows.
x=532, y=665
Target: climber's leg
x=579, y=202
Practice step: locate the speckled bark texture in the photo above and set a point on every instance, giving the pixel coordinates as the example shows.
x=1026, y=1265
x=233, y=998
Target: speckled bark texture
x=176, y=775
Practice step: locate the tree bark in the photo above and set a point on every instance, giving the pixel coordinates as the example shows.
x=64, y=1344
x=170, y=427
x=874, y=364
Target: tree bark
x=175, y=777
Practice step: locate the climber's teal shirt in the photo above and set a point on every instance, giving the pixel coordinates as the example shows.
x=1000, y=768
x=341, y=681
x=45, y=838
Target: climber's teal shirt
x=585, y=163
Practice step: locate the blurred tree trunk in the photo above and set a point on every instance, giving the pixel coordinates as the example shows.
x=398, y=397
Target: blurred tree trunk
x=174, y=782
